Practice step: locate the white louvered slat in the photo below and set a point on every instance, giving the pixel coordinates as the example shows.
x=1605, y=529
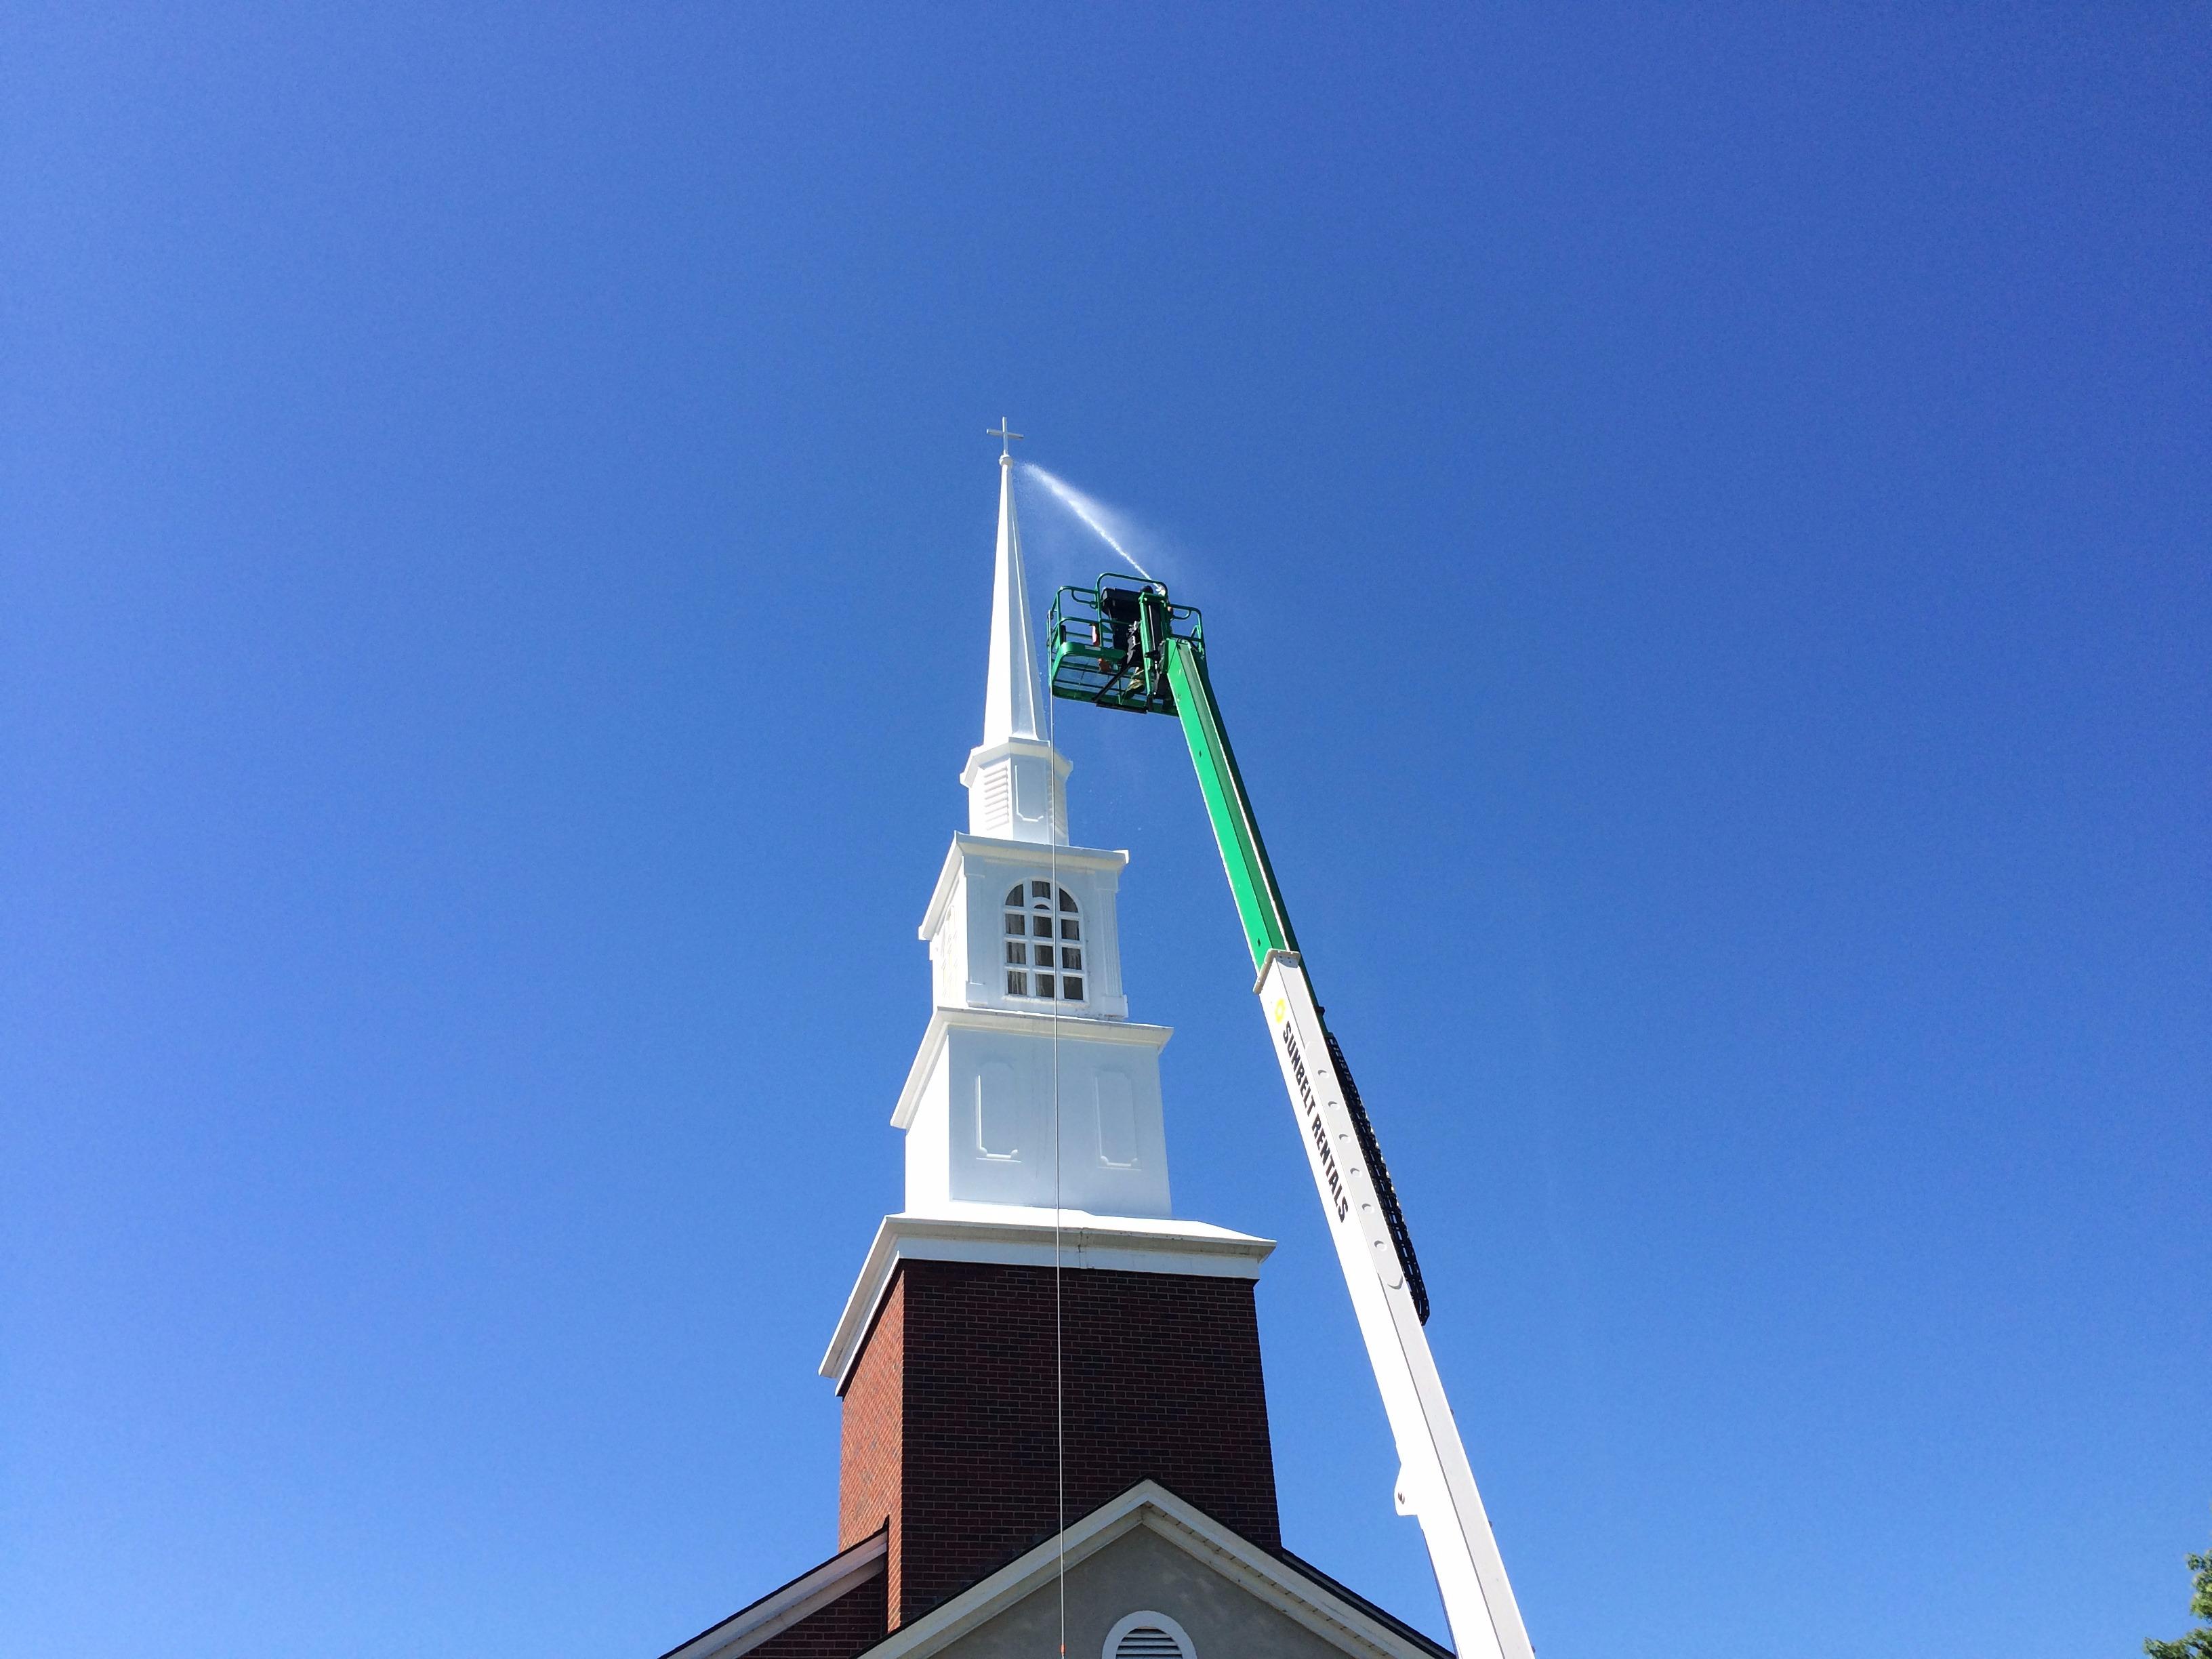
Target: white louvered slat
x=1147, y=1634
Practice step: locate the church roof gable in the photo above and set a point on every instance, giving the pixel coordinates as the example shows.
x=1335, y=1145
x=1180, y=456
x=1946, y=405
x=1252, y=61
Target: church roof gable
x=1150, y=1549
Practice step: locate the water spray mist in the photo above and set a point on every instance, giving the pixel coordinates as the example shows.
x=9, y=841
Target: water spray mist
x=1086, y=509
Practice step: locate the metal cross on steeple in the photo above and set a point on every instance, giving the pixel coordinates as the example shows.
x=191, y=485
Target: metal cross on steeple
x=1003, y=435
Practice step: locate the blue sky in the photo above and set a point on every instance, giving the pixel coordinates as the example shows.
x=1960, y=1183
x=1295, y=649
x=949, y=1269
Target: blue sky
x=1703, y=521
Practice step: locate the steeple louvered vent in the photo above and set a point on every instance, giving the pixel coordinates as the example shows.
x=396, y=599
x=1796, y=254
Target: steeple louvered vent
x=1148, y=1636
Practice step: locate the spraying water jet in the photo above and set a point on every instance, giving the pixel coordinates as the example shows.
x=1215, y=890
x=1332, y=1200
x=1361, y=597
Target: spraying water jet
x=1087, y=510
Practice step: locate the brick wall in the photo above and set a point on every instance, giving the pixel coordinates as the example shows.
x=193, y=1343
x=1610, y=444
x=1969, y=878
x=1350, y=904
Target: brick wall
x=869, y=1461
x=848, y=1626
x=950, y=1419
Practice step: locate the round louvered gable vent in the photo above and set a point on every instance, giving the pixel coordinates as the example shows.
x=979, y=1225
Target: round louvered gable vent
x=1148, y=1636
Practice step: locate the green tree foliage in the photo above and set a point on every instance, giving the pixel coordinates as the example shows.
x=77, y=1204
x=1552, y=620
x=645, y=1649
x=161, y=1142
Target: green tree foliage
x=2197, y=1644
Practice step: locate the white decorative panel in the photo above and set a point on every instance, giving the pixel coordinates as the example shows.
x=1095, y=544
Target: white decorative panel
x=1030, y=793
x=1117, y=1120
x=1038, y=1121
x=998, y=1111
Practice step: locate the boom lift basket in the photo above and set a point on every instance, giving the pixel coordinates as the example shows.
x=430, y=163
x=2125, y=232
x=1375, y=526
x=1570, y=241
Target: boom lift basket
x=1108, y=643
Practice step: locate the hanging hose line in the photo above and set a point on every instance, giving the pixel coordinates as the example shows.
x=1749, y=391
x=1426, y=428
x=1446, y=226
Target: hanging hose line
x=1054, y=813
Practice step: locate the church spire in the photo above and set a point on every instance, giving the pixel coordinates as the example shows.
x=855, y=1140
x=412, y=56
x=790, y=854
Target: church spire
x=1011, y=696
x=1015, y=782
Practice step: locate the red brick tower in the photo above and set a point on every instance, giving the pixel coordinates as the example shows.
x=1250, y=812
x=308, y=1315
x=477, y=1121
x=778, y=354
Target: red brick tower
x=951, y=1435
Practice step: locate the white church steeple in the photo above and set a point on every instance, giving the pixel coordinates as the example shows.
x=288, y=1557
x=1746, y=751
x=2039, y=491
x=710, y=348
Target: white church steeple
x=1034, y=1130
x=1017, y=784
x=1032, y=1082
x=1011, y=696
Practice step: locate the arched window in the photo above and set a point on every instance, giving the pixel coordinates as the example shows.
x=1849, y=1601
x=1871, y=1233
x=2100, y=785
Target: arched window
x=1148, y=1636
x=1044, y=943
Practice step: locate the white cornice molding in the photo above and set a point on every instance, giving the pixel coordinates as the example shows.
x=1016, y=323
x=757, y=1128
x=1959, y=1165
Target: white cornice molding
x=1035, y=748
x=1023, y=1236
x=1008, y=852
x=779, y=1610
x=1320, y=1609
x=1072, y=1028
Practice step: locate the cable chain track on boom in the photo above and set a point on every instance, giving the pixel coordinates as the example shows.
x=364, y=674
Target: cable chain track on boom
x=1394, y=1217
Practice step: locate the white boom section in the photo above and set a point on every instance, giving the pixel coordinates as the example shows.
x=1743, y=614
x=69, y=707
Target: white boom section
x=1435, y=1484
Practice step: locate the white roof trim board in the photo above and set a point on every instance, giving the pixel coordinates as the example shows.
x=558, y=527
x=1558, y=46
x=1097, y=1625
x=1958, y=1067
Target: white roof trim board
x=1023, y=1237
x=779, y=1610
x=1320, y=1609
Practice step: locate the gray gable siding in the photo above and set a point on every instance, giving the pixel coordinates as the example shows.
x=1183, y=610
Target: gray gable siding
x=1141, y=1569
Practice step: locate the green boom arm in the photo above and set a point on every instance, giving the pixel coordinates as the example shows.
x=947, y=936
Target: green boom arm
x=1124, y=645
x=1243, y=854
x=1260, y=900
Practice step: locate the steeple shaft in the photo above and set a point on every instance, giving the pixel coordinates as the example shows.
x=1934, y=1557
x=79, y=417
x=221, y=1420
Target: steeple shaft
x=1015, y=782
x=1013, y=696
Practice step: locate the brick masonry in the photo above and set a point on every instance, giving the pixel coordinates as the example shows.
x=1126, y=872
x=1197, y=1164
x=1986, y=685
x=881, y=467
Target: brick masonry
x=849, y=1626
x=948, y=1429
x=870, y=1459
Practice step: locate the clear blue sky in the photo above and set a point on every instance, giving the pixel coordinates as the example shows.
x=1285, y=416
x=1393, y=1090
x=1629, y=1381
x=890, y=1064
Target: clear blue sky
x=1705, y=524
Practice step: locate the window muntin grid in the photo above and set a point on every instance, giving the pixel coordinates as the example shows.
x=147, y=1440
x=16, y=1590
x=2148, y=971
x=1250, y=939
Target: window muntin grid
x=1044, y=942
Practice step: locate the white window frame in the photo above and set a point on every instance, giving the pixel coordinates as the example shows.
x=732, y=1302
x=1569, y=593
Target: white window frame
x=1065, y=914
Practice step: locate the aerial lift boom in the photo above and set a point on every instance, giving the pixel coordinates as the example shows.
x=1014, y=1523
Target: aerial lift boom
x=1123, y=644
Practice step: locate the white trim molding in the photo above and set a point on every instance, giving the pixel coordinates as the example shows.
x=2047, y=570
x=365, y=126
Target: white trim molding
x=1027, y=1237
x=779, y=1610
x=1317, y=1606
